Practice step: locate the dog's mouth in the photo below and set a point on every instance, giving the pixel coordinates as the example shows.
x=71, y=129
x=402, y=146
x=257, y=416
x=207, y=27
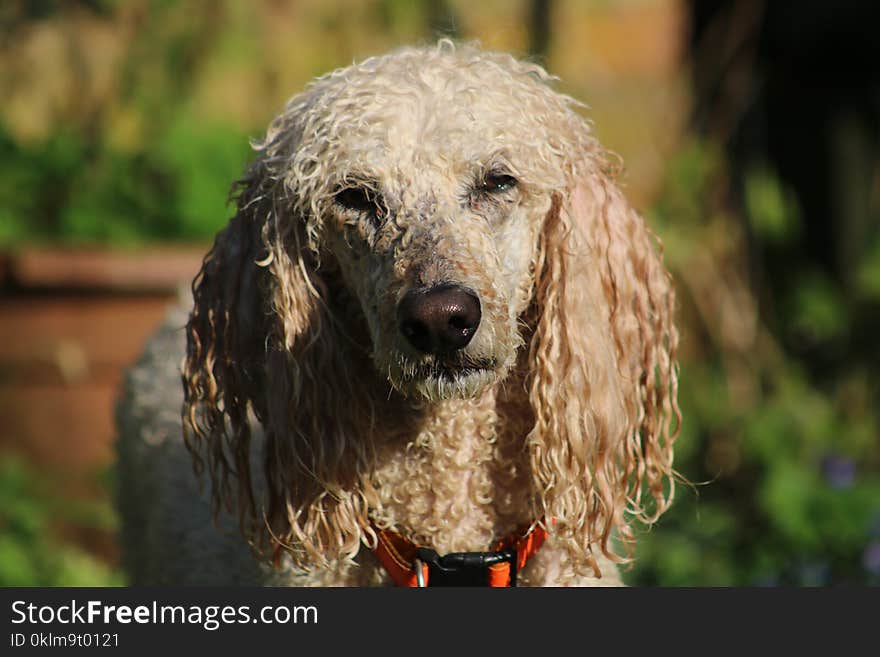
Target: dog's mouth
x=445, y=378
x=452, y=369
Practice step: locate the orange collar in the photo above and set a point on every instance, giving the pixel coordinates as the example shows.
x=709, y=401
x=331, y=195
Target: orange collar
x=413, y=566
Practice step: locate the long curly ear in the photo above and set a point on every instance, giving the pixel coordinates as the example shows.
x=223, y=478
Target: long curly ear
x=318, y=445
x=263, y=343
x=604, y=383
x=223, y=375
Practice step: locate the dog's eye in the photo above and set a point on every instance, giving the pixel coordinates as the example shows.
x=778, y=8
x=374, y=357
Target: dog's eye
x=360, y=199
x=497, y=182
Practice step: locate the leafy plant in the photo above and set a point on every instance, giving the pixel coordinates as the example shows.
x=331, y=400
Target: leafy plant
x=32, y=552
x=786, y=467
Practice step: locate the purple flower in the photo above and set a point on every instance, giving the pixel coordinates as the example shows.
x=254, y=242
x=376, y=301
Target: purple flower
x=871, y=557
x=839, y=471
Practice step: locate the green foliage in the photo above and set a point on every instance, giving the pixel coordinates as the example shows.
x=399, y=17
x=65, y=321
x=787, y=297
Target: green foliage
x=173, y=188
x=35, y=183
x=144, y=164
x=868, y=276
x=203, y=161
x=772, y=213
x=31, y=551
x=786, y=467
x=816, y=309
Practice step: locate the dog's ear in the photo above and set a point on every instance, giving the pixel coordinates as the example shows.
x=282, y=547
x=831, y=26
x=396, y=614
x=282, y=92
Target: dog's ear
x=223, y=371
x=604, y=383
x=263, y=342
x=317, y=413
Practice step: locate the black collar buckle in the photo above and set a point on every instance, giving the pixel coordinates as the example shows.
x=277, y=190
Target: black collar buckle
x=464, y=568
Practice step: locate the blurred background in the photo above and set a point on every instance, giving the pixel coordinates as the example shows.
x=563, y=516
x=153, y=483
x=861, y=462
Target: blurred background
x=750, y=131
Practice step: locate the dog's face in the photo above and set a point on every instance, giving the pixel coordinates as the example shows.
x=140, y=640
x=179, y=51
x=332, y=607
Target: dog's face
x=439, y=259
x=437, y=248
x=432, y=209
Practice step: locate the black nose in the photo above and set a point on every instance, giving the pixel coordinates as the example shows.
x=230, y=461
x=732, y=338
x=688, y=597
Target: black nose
x=440, y=319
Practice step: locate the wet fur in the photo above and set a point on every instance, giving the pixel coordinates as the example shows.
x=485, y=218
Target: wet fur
x=310, y=418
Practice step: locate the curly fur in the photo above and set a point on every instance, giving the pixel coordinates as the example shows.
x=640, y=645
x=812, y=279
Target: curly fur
x=314, y=420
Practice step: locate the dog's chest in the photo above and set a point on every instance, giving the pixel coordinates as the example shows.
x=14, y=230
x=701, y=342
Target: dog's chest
x=459, y=484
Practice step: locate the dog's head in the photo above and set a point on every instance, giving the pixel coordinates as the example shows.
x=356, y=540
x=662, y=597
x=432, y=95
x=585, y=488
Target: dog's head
x=444, y=218
x=425, y=177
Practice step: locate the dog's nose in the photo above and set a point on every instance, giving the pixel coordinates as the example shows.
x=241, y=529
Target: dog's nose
x=440, y=319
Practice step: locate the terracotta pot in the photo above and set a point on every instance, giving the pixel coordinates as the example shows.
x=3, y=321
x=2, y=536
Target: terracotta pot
x=71, y=321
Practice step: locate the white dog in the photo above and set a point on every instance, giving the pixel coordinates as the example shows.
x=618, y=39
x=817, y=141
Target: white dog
x=434, y=326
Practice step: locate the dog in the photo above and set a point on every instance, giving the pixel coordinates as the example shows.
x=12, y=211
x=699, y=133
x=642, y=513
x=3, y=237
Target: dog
x=434, y=345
